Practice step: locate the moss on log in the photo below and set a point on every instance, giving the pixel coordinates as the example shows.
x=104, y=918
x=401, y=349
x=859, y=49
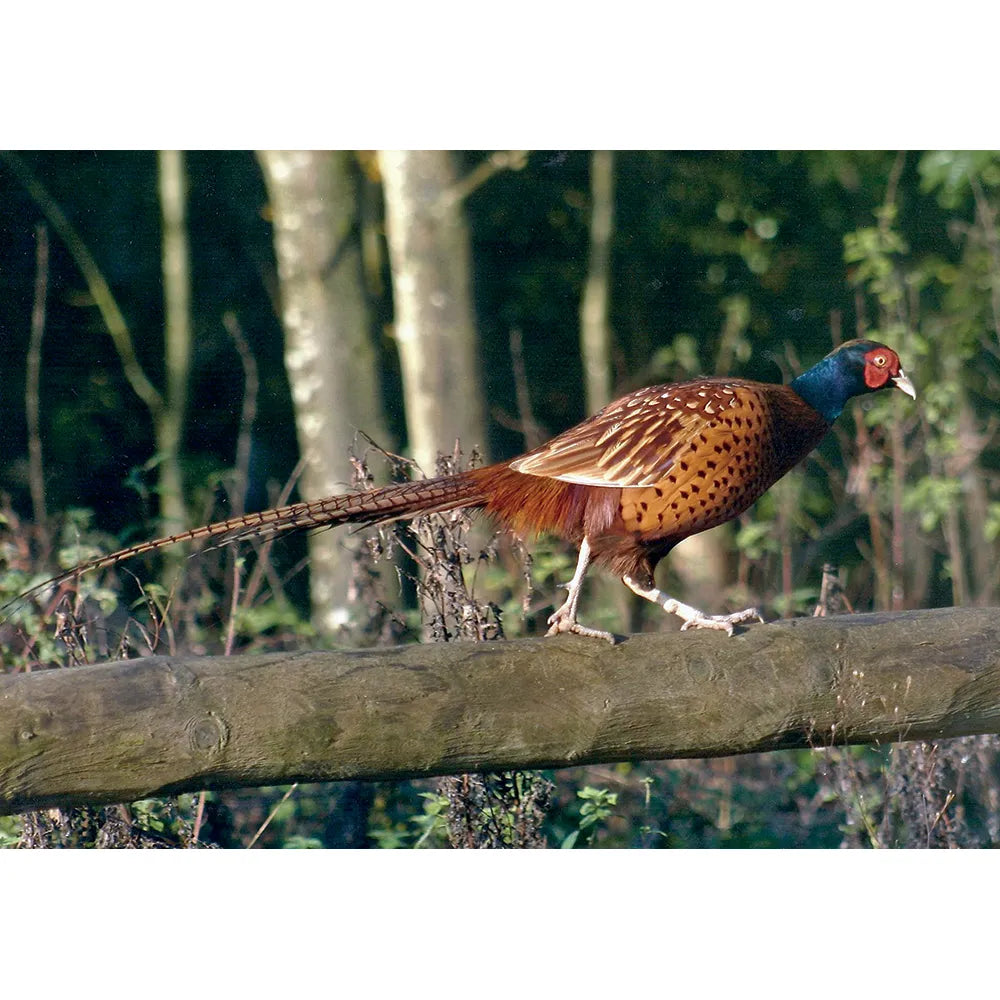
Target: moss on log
x=121, y=731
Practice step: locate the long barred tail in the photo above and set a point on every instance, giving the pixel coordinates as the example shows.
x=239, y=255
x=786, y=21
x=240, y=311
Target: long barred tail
x=391, y=503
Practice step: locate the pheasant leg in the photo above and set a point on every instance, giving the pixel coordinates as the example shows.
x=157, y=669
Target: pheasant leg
x=693, y=618
x=564, y=618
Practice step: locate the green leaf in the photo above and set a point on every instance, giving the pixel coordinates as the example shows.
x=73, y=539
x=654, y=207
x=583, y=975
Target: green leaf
x=298, y=842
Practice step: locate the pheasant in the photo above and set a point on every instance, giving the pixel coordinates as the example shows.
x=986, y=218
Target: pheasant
x=625, y=486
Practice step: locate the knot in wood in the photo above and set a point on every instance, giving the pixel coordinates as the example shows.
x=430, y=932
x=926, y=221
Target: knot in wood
x=207, y=734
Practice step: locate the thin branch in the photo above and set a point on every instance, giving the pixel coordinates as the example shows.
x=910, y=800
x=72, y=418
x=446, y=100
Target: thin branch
x=176, y=268
x=987, y=219
x=262, y=567
x=101, y=293
x=595, y=327
x=892, y=184
x=271, y=815
x=234, y=604
x=533, y=435
x=248, y=413
x=32, y=395
x=199, y=817
x=495, y=163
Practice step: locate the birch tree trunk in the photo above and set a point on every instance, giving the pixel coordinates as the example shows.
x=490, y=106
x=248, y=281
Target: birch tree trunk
x=595, y=324
x=595, y=331
x=432, y=293
x=332, y=363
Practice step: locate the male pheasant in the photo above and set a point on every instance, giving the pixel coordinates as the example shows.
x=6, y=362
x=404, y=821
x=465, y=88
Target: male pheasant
x=627, y=485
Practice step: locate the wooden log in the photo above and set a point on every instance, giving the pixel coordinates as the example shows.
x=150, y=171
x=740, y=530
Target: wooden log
x=121, y=731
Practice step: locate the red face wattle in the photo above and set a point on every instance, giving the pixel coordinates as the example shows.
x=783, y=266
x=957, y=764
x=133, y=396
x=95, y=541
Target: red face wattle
x=881, y=364
x=881, y=367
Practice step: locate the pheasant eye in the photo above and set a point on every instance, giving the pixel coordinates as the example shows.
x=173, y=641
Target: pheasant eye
x=879, y=361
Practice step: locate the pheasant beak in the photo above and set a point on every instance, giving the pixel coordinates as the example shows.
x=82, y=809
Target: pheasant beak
x=902, y=382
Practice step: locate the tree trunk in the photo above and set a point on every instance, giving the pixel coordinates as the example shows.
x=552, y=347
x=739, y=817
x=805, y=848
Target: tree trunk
x=333, y=366
x=169, y=422
x=163, y=725
x=432, y=295
x=595, y=323
x=595, y=337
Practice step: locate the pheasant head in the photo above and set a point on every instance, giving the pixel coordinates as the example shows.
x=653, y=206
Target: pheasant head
x=856, y=367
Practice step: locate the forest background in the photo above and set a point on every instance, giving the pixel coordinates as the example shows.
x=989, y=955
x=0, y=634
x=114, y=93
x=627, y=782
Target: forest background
x=264, y=308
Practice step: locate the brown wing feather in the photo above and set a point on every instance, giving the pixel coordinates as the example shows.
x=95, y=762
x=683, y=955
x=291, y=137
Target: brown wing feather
x=637, y=441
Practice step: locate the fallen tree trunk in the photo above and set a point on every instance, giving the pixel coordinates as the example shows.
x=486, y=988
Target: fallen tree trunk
x=121, y=731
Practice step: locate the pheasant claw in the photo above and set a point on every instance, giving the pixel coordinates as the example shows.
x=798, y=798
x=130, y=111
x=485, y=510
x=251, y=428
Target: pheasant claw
x=564, y=621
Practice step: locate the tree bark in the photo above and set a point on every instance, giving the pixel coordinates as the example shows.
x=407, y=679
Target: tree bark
x=132, y=729
x=595, y=321
x=332, y=363
x=169, y=423
x=432, y=296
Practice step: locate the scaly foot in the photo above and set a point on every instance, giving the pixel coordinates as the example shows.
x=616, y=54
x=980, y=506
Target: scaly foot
x=722, y=623
x=564, y=620
x=693, y=618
